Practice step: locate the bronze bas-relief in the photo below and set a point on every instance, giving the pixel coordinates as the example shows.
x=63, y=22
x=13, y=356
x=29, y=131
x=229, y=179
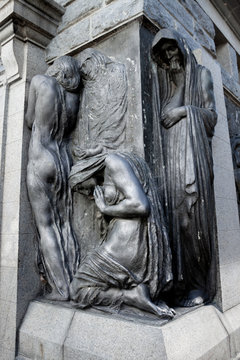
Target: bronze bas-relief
x=155, y=240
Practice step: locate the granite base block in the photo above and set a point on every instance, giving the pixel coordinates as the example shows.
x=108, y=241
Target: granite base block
x=55, y=332
x=43, y=331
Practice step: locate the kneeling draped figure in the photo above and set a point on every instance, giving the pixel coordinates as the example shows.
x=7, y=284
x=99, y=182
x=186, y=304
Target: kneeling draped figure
x=132, y=265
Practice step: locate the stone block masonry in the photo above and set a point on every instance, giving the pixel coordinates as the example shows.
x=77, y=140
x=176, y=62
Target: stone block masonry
x=85, y=21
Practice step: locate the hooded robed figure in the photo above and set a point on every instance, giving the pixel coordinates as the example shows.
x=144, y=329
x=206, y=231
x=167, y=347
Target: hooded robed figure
x=184, y=118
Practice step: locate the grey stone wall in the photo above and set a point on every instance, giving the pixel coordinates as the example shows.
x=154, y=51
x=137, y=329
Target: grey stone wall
x=86, y=21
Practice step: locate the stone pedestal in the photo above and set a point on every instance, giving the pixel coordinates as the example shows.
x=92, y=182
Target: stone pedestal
x=56, y=332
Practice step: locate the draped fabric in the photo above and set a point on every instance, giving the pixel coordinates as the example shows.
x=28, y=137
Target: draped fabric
x=147, y=246
x=184, y=170
x=102, y=113
x=54, y=197
x=103, y=103
x=86, y=168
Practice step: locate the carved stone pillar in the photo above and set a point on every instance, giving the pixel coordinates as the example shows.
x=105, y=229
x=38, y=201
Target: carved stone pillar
x=26, y=27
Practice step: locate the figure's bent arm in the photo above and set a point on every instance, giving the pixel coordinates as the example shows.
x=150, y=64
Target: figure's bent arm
x=135, y=202
x=30, y=114
x=207, y=89
x=208, y=110
x=208, y=93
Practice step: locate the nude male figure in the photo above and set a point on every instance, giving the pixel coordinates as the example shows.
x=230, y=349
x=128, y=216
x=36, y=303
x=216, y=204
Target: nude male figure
x=52, y=112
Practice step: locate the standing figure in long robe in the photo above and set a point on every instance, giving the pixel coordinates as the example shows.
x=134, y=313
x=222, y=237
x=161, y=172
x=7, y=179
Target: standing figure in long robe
x=52, y=112
x=184, y=120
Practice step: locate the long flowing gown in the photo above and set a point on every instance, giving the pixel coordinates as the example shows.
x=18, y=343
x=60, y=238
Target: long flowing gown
x=185, y=172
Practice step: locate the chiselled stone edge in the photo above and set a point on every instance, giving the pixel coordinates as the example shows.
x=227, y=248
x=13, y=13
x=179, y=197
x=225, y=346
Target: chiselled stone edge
x=29, y=21
x=217, y=332
x=230, y=84
x=32, y=20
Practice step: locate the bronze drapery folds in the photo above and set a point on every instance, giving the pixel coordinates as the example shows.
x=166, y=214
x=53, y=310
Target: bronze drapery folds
x=184, y=120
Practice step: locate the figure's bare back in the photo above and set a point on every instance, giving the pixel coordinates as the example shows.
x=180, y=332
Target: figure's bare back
x=47, y=103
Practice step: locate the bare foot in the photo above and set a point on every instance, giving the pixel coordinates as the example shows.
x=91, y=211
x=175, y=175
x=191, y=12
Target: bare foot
x=140, y=298
x=194, y=298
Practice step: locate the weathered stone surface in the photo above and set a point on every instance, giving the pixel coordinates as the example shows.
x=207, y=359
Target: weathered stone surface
x=222, y=154
x=72, y=37
x=224, y=177
x=203, y=38
x=44, y=330
x=77, y=9
x=98, y=337
x=9, y=248
x=230, y=290
x=200, y=334
x=222, y=133
x=233, y=117
x=229, y=247
x=8, y=282
x=7, y=325
x=156, y=12
x=231, y=321
x=7, y=354
x=227, y=57
x=62, y=2
x=40, y=15
x=200, y=15
x=233, y=62
x=231, y=83
x=191, y=42
x=117, y=12
x=180, y=13
x=207, y=336
x=227, y=213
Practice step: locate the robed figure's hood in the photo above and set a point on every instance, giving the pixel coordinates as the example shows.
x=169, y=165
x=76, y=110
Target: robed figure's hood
x=160, y=38
x=189, y=65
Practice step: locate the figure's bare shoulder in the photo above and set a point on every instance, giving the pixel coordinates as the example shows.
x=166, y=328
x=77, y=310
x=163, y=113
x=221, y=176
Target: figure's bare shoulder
x=43, y=83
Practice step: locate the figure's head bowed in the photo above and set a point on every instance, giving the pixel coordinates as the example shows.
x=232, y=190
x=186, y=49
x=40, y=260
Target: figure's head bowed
x=66, y=71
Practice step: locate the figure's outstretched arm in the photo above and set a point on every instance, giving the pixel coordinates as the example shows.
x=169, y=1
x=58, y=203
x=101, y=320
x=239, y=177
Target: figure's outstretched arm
x=135, y=202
